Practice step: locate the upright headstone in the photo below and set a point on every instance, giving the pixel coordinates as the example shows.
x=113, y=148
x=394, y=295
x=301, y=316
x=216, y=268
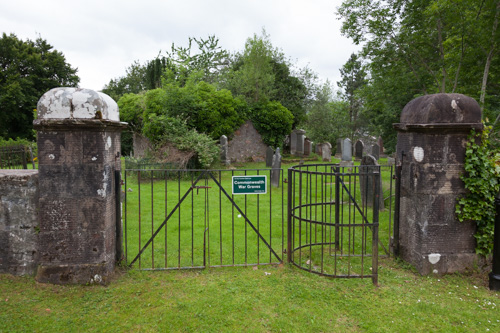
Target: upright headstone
x=269, y=157
x=293, y=142
x=338, y=150
x=346, y=150
x=432, y=137
x=369, y=172
x=326, y=152
x=79, y=172
x=299, y=148
x=376, y=151
x=276, y=168
x=307, y=147
x=358, y=149
x=380, y=143
x=224, y=151
x=318, y=148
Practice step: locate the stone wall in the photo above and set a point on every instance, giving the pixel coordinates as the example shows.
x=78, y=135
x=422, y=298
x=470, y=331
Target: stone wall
x=19, y=227
x=246, y=145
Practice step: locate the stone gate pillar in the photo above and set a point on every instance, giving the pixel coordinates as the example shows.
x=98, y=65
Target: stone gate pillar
x=432, y=137
x=78, y=154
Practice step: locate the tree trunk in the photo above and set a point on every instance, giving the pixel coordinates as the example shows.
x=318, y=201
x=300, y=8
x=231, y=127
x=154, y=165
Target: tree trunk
x=488, y=59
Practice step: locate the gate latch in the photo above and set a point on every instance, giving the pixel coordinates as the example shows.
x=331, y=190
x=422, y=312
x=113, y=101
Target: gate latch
x=198, y=188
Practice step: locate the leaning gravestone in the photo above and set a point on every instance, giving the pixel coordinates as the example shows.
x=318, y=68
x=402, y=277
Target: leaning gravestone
x=326, y=152
x=269, y=157
x=369, y=171
x=224, y=150
x=346, y=150
x=376, y=151
x=358, y=150
x=276, y=168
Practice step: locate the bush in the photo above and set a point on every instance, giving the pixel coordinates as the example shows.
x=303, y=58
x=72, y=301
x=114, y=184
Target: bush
x=162, y=130
x=273, y=121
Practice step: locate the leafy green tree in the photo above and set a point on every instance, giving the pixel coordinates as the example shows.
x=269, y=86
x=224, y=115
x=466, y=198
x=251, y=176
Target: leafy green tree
x=353, y=79
x=328, y=119
x=273, y=121
x=261, y=73
x=28, y=70
x=422, y=47
x=133, y=82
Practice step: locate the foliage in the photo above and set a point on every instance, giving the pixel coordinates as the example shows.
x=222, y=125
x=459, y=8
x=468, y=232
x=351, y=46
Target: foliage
x=261, y=73
x=273, y=121
x=482, y=181
x=413, y=48
x=133, y=82
x=161, y=130
x=328, y=119
x=353, y=80
x=28, y=70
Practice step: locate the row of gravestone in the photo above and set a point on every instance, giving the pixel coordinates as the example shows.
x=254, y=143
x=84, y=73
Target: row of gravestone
x=345, y=151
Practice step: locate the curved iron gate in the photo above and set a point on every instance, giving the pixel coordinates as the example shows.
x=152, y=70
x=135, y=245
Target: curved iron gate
x=333, y=220
x=178, y=219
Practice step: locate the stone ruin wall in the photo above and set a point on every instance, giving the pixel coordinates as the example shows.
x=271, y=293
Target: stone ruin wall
x=246, y=145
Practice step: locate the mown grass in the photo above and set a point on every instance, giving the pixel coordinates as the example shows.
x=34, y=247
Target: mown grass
x=266, y=299
x=279, y=298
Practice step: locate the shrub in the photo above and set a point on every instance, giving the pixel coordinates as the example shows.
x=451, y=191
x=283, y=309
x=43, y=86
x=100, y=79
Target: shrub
x=273, y=121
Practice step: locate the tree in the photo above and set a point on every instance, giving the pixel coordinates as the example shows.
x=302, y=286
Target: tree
x=425, y=46
x=262, y=73
x=28, y=70
x=133, y=82
x=353, y=80
x=328, y=119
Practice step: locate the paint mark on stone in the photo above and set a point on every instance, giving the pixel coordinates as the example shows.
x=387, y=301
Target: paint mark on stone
x=434, y=258
x=51, y=156
x=94, y=158
x=418, y=154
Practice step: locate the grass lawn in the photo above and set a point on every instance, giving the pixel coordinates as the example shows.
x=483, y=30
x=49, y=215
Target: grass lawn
x=263, y=299
x=276, y=298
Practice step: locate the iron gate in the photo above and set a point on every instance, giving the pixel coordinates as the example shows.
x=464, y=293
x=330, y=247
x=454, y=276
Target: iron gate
x=191, y=219
x=323, y=218
x=333, y=220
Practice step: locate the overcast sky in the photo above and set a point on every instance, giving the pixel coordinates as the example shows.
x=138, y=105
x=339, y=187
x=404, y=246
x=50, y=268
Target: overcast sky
x=102, y=38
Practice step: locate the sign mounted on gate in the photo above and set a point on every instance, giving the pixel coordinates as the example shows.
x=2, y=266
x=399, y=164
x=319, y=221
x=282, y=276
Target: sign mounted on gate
x=250, y=184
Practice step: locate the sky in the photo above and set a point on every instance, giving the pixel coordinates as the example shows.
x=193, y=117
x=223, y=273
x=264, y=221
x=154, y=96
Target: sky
x=103, y=38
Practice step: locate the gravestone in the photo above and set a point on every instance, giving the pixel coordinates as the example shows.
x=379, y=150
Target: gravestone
x=369, y=172
x=317, y=149
x=358, y=150
x=380, y=143
x=224, y=150
x=346, y=150
x=299, y=146
x=269, y=157
x=307, y=147
x=326, y=152
x=376, y=151
x=293, y=142
x=338, y=151
x=276, y=169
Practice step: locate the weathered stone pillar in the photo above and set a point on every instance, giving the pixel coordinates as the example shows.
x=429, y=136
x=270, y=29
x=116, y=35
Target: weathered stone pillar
x=78, y=154
x=431, y=144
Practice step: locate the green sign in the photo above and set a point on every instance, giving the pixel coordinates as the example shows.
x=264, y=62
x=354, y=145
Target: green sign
x=249, y=184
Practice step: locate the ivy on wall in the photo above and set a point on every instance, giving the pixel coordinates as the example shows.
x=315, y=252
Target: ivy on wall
x=482, y=181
